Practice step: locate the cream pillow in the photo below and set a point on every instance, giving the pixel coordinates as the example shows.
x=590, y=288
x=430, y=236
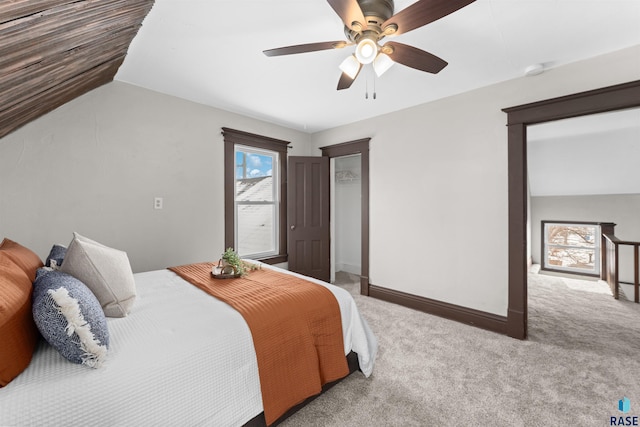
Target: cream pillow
x=106, y=271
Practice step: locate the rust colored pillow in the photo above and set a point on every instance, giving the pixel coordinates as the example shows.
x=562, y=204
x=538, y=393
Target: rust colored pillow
x=23, y=257
x=18, y=332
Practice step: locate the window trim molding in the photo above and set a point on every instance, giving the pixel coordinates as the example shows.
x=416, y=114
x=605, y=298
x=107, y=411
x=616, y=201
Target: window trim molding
x=233, y=137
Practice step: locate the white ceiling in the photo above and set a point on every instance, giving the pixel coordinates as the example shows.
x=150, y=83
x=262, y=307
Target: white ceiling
x=210, y=52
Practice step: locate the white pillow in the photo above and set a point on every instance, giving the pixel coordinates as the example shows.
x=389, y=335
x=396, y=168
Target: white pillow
x=106, y=271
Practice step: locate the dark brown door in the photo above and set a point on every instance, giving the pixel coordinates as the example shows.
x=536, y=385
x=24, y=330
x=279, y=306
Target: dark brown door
x=308, y=214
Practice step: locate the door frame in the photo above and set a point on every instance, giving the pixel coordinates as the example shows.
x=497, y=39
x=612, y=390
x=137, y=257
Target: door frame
x=618, y=97
x=359, y=146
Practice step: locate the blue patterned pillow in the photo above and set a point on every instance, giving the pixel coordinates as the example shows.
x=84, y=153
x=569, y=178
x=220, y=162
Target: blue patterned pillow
x=56, y=256
x=70, y=318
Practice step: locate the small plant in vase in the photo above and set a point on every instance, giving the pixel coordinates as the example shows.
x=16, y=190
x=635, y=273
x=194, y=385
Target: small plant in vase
x=239, y=266
x=231, y=258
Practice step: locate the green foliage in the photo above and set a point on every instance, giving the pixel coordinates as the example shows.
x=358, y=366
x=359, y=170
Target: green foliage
x=242, y=267
x=232, y=258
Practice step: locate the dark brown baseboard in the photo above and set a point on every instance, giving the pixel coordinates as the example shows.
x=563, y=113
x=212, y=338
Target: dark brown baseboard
x=480, y=319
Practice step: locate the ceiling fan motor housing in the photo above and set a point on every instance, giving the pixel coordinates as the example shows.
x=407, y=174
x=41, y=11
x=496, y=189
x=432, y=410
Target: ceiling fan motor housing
x=382, y=9
x=375, y=12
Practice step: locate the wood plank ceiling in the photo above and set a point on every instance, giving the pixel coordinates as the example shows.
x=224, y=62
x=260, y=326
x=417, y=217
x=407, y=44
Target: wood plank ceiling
x=52, y=51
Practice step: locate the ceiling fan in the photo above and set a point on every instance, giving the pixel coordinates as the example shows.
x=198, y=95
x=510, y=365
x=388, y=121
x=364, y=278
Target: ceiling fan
x=367, y=22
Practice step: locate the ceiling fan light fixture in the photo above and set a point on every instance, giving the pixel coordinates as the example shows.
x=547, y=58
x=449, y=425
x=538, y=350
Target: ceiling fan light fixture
x=366, y=51
x=382, y=63
x=350, y=66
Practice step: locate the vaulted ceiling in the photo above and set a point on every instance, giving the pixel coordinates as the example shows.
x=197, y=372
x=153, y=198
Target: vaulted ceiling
x=210, y=52
x=52, y=51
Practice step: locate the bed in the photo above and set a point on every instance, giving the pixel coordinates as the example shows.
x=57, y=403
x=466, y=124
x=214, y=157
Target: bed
x=180, y=357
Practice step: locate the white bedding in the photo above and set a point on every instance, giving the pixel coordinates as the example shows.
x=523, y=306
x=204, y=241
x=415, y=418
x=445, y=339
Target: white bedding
x=181, y=357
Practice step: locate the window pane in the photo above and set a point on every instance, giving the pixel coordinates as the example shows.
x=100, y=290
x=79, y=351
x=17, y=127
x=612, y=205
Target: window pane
x=256, y=233
x=572, y=235
x=255, y=175
x=583, y=259
x=253, y=165
x=572, y=247
x=255, y=189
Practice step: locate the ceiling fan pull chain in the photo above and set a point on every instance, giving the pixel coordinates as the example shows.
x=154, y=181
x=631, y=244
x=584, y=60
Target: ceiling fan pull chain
x=374, y=85
x=366, y=89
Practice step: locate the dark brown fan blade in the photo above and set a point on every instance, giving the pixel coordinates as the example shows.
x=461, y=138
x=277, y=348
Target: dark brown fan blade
x=345, y=81
x=423, y=12
x=302, y=48
x=349, y=11
x=415, y=58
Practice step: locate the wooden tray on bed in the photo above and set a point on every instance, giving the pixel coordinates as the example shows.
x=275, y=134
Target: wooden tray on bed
x=217, y=273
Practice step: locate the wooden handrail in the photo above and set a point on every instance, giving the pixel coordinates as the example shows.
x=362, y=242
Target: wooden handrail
x=614, y=239
x=612, y=264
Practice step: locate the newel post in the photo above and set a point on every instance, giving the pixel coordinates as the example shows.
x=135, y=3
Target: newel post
x=605, y=228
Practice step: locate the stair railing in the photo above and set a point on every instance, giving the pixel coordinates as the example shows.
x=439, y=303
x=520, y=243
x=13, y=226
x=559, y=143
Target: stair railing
x=611, y=265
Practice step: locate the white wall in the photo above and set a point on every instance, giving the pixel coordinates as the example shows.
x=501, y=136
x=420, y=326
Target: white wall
x=621, y=209
x=439, y=183
x=95, y=165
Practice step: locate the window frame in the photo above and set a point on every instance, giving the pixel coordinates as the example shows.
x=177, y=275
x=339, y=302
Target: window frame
x=233, y=137
x=274, y=203
x=597, y=249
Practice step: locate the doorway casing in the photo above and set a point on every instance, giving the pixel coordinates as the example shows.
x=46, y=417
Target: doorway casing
x=360, y=146
x=618, y=97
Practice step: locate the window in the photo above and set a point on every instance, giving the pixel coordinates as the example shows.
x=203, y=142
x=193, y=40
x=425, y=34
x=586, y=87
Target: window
x=255, y=196
x=571, y=247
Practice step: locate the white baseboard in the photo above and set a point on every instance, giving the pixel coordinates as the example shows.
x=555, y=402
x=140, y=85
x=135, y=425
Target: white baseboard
x=349, y=268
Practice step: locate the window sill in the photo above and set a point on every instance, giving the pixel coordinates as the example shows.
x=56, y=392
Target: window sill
x=573, y=273
x=275, y=259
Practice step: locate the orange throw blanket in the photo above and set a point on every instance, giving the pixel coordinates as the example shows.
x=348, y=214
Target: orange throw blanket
x=296, y=329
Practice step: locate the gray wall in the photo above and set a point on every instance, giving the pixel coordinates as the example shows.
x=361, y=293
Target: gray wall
x=581, y=164
x=621, y=209
x=95, y=165
x=438, y=179
x=439, y=183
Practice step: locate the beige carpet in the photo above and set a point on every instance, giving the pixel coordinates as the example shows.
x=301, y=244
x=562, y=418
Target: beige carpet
x=582, y=355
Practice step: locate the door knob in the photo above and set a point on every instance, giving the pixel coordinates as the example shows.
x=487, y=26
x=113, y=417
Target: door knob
x=293, y=227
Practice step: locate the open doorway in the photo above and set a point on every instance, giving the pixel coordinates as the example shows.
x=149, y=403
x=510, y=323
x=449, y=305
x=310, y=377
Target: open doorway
x=582, y=171
x=346, y=217
x=518, y=118
x=350, y=153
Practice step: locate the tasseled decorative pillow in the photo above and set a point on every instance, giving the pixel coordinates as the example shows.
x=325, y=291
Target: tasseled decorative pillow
x=70, y=318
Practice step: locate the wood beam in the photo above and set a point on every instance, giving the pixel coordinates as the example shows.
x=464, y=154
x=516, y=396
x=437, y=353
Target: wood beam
x=53, y=51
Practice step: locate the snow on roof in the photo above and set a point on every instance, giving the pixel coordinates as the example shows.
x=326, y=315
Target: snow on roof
x=256, y=232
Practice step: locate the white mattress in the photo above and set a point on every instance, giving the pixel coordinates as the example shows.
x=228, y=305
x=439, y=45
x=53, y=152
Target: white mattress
x=181, y=357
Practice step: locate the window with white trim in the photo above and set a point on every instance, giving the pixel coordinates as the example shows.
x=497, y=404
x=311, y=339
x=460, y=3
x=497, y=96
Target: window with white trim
x=571, y=247
x=256, y=202
x=255, y=191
